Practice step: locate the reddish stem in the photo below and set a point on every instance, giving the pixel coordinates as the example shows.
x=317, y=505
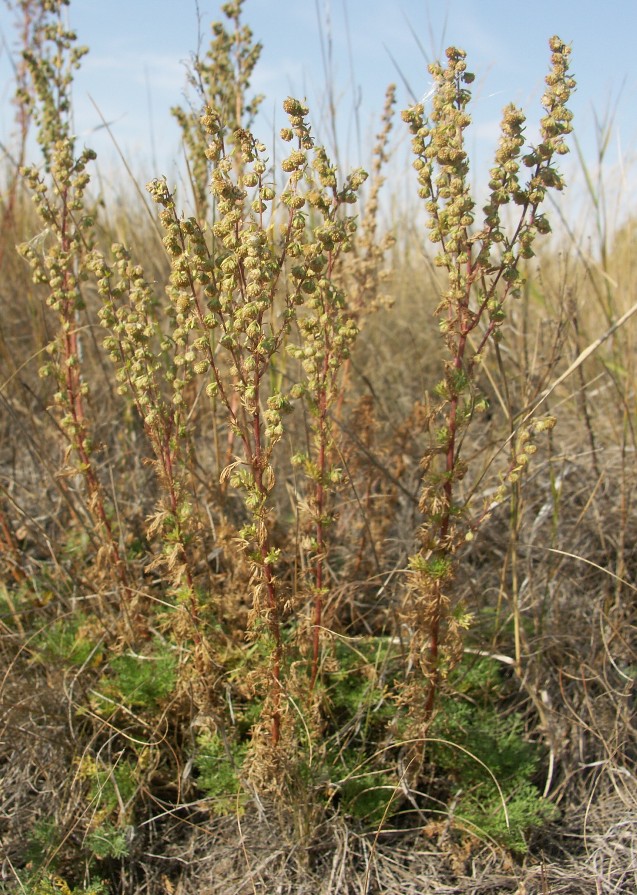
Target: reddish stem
x=450, y=463
x=73, y=386
x=268, y=571
x=320, y=533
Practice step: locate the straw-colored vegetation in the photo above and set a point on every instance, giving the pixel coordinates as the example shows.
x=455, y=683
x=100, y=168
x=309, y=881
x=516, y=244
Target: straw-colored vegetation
x=317, y=536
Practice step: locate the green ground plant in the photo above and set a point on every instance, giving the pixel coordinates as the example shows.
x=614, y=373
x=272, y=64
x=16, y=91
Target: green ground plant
x=487, y=756
x=272, y=582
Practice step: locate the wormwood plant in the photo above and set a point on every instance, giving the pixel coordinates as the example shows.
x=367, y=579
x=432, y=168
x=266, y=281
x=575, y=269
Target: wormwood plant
x=482, y=266
x=57, y=257
x=28, y=19
x=220, y=80
x=237, y=289
x=236, y=298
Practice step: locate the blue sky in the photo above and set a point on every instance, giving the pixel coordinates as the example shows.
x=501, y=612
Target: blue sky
x=135, y=70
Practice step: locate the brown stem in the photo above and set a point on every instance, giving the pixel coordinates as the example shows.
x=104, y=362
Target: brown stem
x=443, y=531
x=268, y=571
x=320, y=532
x=73, y=386
x=9, y=545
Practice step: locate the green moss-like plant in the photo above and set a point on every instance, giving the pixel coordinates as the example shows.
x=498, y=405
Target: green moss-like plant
x=218, y=768
x=52, y=884
x=368, y=796
x=141, y=681
x=67, y=641
x=476, y=742
x=107, y=841
x=482, y=813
